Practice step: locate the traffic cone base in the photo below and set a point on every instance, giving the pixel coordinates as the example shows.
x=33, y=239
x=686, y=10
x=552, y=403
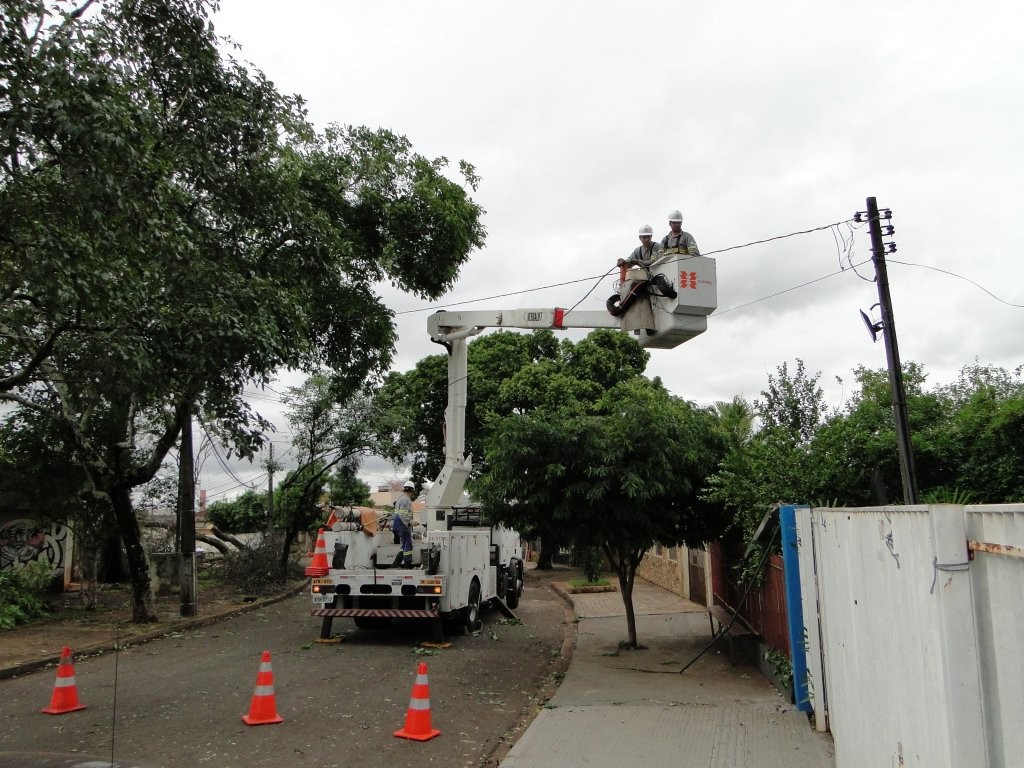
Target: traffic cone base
x=65, y=691
x=430, y=733
x=417, y=719
x=319, y=566
x=263, y=708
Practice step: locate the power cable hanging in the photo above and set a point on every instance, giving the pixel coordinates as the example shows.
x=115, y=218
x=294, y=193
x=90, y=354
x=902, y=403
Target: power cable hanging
x=959, y=277
x=786, y=290
x=223, y=463
x=846, y=250
x=778, y=237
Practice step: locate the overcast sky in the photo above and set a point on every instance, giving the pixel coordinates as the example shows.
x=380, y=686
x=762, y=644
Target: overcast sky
x=588, y=119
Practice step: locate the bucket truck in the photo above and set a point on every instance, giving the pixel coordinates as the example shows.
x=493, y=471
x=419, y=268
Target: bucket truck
x=460, y=562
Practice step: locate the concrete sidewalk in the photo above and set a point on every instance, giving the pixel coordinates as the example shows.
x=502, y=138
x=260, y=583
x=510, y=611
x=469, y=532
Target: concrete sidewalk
x=617, y=708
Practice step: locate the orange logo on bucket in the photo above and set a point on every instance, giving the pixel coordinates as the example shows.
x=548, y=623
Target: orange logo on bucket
x=687, y=279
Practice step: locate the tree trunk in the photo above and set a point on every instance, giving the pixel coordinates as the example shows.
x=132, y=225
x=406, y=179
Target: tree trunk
x=548, y=548
x=214, y=542
x=110, y=564
x=143, y=606
x=282, y=566
x=626, y=579
x=239, y=544
x=88, y=565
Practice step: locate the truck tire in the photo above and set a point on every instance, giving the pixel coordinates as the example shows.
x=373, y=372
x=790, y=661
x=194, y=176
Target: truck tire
x=515, y=587
x=471, y=613
x=504, y=580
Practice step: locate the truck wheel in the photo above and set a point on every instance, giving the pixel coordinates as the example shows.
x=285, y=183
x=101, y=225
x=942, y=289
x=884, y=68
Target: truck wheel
x=515, y=588
x=471, y=613
x=504, y=581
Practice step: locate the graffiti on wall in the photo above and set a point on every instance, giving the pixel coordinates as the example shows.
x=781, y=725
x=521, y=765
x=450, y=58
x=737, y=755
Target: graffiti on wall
x=23, y=541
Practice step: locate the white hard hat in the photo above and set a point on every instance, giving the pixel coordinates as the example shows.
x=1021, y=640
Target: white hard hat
x=646, y=229
x=408, y=486
x=675, y=216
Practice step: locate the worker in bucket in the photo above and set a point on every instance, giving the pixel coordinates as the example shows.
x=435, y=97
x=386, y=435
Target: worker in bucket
x=646, y=252
x=650, y=255
x=676, y=240
x=402, y=521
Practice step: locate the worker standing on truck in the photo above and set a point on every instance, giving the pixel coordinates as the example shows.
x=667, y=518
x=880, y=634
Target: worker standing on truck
x=402, y=522
x=676, y=239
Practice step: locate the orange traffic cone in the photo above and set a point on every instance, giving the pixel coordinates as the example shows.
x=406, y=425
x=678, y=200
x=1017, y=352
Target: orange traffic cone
x=263, y=709
x=319, y=565
x=65, y=692
x=417, y=718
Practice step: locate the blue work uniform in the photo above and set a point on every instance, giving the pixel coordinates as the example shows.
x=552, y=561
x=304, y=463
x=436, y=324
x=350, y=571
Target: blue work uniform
x=400, y=526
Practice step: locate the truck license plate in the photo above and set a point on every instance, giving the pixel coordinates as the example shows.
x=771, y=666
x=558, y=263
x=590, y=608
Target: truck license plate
x=322, y=599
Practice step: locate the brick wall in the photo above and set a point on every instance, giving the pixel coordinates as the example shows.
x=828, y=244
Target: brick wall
x=658, y=568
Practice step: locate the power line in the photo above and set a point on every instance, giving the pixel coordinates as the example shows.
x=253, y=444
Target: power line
x=435, y=307
x=779, y=237
x=959, y=277
x=787, y=290
x=223, y=463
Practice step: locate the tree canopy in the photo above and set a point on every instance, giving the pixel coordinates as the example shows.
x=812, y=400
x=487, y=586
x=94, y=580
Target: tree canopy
x=619, y=472
x=966, y=437
x=571, y=444
x=177, y=230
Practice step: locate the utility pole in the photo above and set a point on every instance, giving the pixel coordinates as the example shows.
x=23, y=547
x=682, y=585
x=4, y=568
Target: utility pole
x=892, y=353
x=270, y=488
x=187, y=519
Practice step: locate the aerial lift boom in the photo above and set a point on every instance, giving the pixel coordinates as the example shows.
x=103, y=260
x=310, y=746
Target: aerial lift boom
x=462, y=562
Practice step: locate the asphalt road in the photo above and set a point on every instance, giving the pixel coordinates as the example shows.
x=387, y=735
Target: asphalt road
x=178, y=701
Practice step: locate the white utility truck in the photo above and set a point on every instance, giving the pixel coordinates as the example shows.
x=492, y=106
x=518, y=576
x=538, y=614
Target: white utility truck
x=460, y=562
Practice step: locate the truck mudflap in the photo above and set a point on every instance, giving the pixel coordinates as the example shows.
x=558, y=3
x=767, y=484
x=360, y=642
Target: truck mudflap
x=377, y=613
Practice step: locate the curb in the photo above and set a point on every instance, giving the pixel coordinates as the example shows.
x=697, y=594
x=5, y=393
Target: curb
x=163, y=630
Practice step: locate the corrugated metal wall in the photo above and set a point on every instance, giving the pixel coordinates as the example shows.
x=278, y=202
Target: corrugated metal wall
x=998, y=581
x=919, y=646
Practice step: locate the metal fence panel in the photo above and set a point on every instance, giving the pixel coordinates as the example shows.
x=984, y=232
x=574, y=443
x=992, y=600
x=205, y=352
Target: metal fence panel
x=881, y=641
x=919, y=612
x=995, y=535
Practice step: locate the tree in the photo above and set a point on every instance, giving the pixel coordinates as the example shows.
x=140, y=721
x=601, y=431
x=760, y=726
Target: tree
x=346, y=489
x=297, y=506
x=793, y=403
x=566, y=381
x=623, y=472
x=854, y=458
x=246, y=514
x=524, y=484
x=414, y=402
x=774, y=462
x=983, y=434
x=331, y=429
x=646, y=457
x=178, y=231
